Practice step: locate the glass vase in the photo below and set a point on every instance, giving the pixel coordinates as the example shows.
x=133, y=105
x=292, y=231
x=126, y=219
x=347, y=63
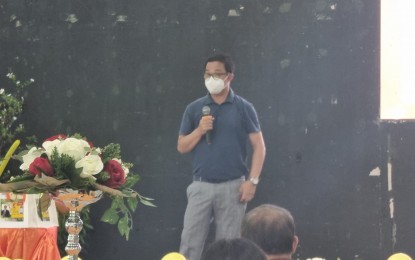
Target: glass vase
x=74, y=201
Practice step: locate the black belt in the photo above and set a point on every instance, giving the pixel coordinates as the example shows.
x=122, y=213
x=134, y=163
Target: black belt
x=209, y=180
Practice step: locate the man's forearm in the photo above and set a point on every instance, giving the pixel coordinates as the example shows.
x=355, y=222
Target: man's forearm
x=258, y=154
x=258, y=158
x=186, y=143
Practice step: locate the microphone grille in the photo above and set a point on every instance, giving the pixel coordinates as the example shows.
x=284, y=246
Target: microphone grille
x=206, y=110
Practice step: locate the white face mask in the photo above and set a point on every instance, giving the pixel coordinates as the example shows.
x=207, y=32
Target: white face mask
x=214, y=86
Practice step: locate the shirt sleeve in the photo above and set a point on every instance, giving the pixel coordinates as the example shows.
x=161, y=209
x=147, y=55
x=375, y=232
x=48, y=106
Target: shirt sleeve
x=251, y=119
x=186, y=126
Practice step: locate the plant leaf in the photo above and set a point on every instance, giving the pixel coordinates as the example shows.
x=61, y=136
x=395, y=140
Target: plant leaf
x=148, y=203
x=110, y=216
x=132, y=203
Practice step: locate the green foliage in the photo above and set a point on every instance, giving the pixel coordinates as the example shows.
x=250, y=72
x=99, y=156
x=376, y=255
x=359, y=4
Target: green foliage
x=111, y=151
x=130, y=181
x=121, y=209
x=11, y=107
x=121, y=214
x=102, y=176
x=25, y=176
x=64, y=167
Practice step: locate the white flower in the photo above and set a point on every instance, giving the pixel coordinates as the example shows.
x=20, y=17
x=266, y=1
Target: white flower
x=28, y=158
x=91, y=165
x=10, y=75
x=1, y=91
x=50, y=145
x=126, y=170
x=75, y=148
x=32, y=80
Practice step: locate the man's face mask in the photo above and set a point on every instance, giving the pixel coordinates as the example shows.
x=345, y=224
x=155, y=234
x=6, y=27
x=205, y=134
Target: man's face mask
x=214, y=85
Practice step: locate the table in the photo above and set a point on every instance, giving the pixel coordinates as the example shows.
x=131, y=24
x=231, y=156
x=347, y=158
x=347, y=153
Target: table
x=29, y=243
x=25, y=233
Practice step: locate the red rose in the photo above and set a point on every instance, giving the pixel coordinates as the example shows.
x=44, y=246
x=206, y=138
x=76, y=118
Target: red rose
x=59, y=136
x=40, y=165
x=117, y=174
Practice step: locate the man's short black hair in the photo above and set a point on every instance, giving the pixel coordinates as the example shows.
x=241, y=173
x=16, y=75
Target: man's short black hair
x=225, y=59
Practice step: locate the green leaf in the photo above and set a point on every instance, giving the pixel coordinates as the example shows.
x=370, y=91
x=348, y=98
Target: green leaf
x=123, y=226
x=116, y=203
x=110, y=152
x=23, y=177
x=131, y=180
x=129, y=192
x=87, y=225
x=132, y=203
x=102, y=176
x=110, y=216
x=147, y=203
x=145, y=198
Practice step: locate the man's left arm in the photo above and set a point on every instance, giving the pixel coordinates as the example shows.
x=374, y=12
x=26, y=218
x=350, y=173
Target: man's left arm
x=247, y=189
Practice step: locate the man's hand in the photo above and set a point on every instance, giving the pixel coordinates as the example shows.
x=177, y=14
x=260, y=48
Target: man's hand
x=206, y=123
x=186, y=143
x=247, y=191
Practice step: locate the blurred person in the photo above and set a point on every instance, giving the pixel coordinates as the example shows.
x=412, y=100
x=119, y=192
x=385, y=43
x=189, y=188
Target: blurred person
x=272, y=228
x=234, y=249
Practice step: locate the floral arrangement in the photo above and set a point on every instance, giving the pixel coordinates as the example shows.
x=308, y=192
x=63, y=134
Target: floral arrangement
x=74, y=162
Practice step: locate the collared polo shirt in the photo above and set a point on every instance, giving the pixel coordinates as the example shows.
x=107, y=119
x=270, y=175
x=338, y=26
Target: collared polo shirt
x=226, y=157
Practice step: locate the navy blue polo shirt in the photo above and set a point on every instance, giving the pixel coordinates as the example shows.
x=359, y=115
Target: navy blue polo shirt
x=226, y=157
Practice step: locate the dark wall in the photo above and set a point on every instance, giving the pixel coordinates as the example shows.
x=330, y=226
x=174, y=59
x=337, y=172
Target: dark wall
x=123, y=71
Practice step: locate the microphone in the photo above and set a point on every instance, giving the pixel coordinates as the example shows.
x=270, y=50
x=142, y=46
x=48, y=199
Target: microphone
x=206, y=112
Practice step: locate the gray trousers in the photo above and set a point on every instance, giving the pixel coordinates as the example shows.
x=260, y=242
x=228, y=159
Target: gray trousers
x=206, y=201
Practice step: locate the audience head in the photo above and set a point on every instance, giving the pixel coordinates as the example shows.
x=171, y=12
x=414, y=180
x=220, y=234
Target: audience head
x=272, y=228
x=233, y=249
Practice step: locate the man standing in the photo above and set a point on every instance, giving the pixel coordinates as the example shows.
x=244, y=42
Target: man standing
x=216, y=129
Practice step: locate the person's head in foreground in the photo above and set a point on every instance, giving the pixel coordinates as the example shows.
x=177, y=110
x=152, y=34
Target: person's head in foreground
x=233, y=249
x=272, y=228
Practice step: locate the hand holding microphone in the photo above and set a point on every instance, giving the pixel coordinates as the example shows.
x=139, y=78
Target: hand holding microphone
x=206, y=123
